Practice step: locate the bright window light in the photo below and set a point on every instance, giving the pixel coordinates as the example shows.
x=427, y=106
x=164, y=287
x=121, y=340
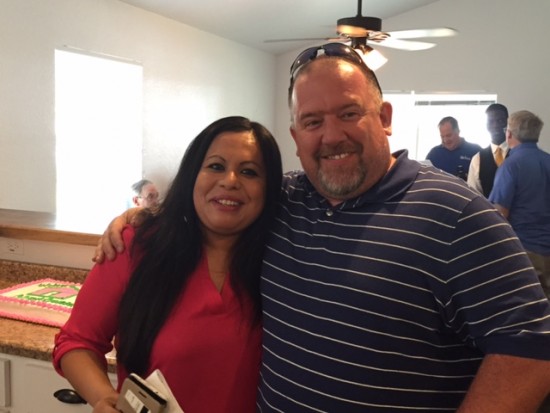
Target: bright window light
x=98, y=126
x=415, y=119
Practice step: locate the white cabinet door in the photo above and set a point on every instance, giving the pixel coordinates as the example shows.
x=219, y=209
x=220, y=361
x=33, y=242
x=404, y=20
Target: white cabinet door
x=33, y=383
x=42, y=381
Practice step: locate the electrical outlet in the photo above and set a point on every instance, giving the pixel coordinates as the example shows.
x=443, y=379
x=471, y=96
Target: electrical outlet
x=13, y=246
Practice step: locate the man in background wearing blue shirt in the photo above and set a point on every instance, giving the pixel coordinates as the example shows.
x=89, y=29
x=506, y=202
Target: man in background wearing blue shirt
x=522, y=191
x=454, y=154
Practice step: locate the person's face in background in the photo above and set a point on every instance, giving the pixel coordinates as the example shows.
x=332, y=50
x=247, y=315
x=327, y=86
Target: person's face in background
x=148, y=198
x=496, y=122
x=229, y=193
x=450, y=137
x=511, y=141
x=340, y=127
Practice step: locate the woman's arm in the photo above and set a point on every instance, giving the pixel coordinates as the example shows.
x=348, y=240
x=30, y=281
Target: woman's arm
x=81, y=344
x=89, y=378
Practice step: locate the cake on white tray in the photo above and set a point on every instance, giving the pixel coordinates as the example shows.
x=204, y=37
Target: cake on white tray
x=46, y=301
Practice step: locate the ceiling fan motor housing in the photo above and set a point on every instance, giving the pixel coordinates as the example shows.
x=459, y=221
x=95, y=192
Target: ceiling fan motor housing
x=364, y=22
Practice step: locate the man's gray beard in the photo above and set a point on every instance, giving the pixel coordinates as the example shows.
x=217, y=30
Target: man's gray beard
x=339, y=187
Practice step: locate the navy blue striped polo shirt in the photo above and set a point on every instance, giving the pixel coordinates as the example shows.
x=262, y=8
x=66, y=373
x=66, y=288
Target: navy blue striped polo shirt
x=389, y=301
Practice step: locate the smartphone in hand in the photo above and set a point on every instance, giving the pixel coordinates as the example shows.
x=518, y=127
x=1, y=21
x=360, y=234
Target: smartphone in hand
x=137, y=396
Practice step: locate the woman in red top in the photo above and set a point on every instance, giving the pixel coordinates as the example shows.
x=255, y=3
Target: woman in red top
x=184, y=298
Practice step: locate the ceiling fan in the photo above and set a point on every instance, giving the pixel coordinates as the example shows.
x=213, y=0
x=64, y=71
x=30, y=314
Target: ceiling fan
x=358, y=31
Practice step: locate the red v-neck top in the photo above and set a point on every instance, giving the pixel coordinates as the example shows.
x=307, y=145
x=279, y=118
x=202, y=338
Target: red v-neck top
x=207, y=350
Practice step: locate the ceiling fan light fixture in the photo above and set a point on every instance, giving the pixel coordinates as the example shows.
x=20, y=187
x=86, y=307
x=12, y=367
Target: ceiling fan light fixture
x=373, y=58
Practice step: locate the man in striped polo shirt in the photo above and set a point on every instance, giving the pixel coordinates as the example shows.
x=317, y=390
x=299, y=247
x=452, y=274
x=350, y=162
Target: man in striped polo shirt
x=389, y=286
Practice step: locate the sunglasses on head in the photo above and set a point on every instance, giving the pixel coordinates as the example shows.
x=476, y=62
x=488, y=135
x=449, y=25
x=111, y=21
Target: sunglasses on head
x=330, y=49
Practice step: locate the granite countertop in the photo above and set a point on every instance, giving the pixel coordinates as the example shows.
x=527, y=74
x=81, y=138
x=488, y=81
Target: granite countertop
x=30, y=340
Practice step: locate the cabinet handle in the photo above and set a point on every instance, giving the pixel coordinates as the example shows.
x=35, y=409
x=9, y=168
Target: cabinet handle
x=69, y=396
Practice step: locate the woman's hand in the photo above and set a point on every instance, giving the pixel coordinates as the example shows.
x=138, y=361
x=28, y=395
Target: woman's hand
x=106, y=405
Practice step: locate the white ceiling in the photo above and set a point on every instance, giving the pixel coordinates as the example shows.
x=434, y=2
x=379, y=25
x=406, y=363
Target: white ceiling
x=250, y=22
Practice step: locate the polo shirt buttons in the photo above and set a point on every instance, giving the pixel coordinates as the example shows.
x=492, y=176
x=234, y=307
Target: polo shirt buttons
x=329, y=212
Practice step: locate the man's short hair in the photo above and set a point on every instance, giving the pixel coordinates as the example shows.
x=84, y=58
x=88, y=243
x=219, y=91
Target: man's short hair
x=138, y=186
x=451, y=120
x=497, y=107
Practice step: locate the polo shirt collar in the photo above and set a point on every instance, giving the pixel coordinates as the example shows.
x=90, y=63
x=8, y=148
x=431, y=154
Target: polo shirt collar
x=392, y=185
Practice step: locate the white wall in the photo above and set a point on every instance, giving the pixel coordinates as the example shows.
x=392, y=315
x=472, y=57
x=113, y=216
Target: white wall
x=49, y=253
x=190, y=79
x=502, y=48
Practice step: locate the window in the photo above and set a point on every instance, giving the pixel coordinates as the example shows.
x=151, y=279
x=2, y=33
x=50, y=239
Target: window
x=415, y=119
x=98, y=126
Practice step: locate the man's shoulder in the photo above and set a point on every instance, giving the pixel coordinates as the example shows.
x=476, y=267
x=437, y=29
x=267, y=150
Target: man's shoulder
x=295, y=182
x=292, y=177
x=429, y=185
x=470, y=146
x=526, y=156
x=433, y=177
x=542, y=153
x=435, y=151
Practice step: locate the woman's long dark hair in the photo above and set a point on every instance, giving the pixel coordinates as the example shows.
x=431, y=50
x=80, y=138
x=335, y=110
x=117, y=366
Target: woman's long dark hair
x=170, y=244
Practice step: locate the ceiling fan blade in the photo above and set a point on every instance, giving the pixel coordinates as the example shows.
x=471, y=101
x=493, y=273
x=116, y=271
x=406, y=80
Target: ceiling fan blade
x=306, y=39
x=404, y=44
x=421, y=33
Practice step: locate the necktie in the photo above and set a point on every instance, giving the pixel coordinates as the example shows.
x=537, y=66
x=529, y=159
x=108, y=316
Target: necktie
x=499, y=156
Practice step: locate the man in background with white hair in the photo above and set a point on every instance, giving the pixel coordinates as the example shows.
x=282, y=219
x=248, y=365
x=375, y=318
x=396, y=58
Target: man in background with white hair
x=522, y=191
